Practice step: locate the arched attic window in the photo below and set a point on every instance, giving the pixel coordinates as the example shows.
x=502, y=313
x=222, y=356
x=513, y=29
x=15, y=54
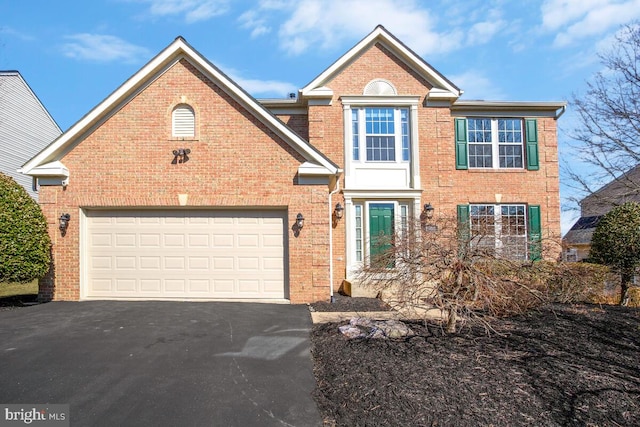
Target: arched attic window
x=379, y=87
x=183, y=121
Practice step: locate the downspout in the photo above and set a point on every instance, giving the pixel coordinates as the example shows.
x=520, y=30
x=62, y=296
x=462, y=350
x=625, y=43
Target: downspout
x=558, y=115
x=331, y=193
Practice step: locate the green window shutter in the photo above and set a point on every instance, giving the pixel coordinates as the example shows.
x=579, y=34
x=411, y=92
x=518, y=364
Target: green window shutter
x=535, y=233
x=464, y=230
x=531, y=129
x=461, y=144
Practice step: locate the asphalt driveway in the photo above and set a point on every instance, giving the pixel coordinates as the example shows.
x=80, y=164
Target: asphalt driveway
x=161, y=363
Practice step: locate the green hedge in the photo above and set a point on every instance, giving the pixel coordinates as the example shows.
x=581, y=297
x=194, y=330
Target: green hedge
x=25, y=247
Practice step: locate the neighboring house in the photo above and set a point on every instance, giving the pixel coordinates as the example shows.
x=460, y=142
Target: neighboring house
x=180, y=185
x=577, y=241
x=25, y=127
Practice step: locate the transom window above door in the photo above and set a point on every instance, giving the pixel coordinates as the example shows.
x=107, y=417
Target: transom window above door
x=380, y=134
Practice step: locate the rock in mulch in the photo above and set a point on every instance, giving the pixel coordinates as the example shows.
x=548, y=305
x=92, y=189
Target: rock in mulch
x=363, y=327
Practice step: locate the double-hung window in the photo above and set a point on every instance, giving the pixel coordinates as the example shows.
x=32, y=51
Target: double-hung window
x=507, y=231
x=495, y=143
x=499, y=230
x=380, y=134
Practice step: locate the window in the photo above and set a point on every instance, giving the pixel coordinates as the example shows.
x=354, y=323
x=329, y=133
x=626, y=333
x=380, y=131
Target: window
x=183, y=122
x=571, y=255
x=384, y=132
x=358, y=227
x=496, y=143
x=499, y=230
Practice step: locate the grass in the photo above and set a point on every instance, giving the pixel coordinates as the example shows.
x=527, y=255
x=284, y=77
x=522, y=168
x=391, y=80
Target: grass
x=13, y=289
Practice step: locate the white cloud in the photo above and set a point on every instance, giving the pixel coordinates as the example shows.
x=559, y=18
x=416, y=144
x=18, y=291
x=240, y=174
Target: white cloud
x=257, y=25
x=15, y=33
x=326, y=24
x=477, y=86
x=580, y=19
x=102, y=48
x=266, y=87
x=193, y=10
x=483, y=32
x=261, y=88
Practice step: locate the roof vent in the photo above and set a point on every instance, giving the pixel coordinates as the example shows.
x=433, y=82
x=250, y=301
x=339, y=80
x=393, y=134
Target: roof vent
x=379, y=87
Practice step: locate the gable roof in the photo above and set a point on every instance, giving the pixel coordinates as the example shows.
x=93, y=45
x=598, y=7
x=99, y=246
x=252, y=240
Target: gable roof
x=442, y=87
x=582, y=230
x=43, y=162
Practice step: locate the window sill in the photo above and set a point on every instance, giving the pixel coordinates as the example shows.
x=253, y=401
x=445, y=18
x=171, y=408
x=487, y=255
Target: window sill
x=185, y=139
x=500, y=170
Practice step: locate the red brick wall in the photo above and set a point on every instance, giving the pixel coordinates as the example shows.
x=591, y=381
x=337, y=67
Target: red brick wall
x=443, y=186
x=235, y=161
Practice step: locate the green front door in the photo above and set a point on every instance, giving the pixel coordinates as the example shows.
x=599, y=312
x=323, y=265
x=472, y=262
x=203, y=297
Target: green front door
x=380, y=229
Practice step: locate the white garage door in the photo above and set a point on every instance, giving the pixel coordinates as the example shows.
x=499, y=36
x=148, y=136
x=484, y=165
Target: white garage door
x=184, y=255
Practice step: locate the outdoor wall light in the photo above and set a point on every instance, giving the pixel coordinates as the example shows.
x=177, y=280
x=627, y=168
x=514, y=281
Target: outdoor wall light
x=339, y=211
x=299, y=221
x=64, y=223
x=181, y=155
x=428, y=211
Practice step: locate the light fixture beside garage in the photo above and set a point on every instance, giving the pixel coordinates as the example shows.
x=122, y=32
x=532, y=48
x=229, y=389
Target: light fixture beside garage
x=299, y=221
x=339, y=211
x=64, y=223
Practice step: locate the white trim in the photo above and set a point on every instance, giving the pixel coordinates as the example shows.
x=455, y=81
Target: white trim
x=83, y=247
x=382, y=36
x=356, y=101
x=380, y=100
x=351, y=262
x=176, y=51
x=382, y=194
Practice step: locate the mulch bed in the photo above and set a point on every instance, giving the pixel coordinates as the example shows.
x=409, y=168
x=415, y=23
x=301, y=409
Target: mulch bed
x=345, y=303
x=564, y=365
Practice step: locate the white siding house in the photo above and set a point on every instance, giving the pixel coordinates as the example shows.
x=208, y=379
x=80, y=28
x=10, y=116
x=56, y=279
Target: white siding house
x=25, y=127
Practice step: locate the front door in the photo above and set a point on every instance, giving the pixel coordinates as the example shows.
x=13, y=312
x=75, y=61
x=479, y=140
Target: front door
x=380, y=229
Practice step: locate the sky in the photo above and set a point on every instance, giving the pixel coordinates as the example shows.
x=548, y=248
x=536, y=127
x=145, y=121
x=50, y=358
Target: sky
x=74, y=53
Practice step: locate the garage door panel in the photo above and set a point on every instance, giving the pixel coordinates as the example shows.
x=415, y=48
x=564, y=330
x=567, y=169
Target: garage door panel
x=125, y=240
x=174, y=254
x=153, y=286
x=174, y=240
x=150, y=263
x=126, y=263
x=198, y=240
x=149, y=240
x=101, y=240
x=125, y=285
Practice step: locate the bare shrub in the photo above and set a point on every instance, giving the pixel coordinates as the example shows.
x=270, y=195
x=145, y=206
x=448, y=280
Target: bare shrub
x=573, y=282
x=441, y=265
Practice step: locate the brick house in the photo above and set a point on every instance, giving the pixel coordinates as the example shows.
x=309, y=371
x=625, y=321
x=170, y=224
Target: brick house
x=626, y=188
x=180, y=185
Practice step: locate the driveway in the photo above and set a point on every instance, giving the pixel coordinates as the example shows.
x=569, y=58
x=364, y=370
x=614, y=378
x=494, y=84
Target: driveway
x=161, y=363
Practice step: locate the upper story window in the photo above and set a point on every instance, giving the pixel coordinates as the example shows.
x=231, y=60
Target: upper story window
x=380, y=134
x=183, y=122
x=496, y=143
